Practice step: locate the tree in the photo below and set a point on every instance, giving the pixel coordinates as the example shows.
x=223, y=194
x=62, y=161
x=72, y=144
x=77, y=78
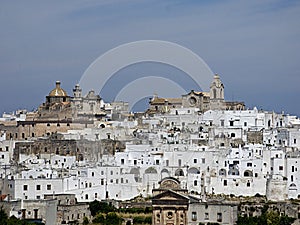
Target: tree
x=3, y=216
x=94, y=207
x=103, y=207
x=113, y=219
x=99, y=219
x=85, y=221
x=267, y=218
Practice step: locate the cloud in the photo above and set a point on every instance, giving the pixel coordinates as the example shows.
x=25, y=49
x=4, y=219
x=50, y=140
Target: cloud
x=253, y=45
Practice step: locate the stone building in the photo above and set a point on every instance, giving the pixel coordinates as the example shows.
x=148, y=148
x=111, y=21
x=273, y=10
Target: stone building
x=173, y=206
x=55, y=144
x=59, y=113
x=213, y=212
x=204, y=101
x=68, y=210
x=170, y=203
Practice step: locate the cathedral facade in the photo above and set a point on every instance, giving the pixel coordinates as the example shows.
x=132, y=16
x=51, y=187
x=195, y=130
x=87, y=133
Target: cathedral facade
x=204, y=101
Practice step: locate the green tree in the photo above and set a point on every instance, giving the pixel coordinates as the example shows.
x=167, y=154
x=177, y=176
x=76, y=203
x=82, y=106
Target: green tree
x=113, y=219
x=138, y=219
x=148, y=219
x=85, y=221
x=3, y=216
x=285, y=220
x=272, y=218
x=267, y=218
x=99, y=219
x=103, y=207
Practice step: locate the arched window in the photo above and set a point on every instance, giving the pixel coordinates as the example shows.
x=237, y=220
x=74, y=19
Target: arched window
x=179, y=172
x=292, y=186
x=248, y=173
x=150, y=170
x=214, y=93
x=222, y=172
x=193, y=170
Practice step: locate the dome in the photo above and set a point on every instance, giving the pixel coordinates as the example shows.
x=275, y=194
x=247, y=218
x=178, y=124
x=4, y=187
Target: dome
x=58, y=91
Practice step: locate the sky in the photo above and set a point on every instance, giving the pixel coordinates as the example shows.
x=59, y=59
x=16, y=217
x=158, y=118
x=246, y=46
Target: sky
x=253, y=45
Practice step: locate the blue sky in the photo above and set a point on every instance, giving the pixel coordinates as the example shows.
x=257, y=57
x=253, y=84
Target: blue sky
x=253, y=45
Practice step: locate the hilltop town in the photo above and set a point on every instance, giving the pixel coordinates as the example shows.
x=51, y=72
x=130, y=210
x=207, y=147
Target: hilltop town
x=197, y=157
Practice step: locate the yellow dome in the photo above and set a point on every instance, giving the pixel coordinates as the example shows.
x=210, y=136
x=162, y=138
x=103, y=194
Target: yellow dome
x=58, y=91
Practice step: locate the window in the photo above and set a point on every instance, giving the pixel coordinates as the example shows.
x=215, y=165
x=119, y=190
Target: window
x=25, y=187
x=249, y=164
x=122, y=161
x=102, y=182
x=248, y=184
x=32, y=135
x=93, y=174
x=38, y=187
x=203, y=160
x=206, y=216
x=38, y=197
x=225, y=182
x=195, y=182
x=195, y=160
x=179, y=162
x=280, y=167
x=245, y=124
x=295, y=141
x=48, y=187
x=231, y=123
x=194, y=216
x=232, y=134
x=222, y=123
x=135, y=162
x=214, y=93
x=219, y=217
x=86, y=196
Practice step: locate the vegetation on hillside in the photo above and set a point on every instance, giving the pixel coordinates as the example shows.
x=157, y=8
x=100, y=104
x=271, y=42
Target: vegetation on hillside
x=106, y=214
x=266, y=218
